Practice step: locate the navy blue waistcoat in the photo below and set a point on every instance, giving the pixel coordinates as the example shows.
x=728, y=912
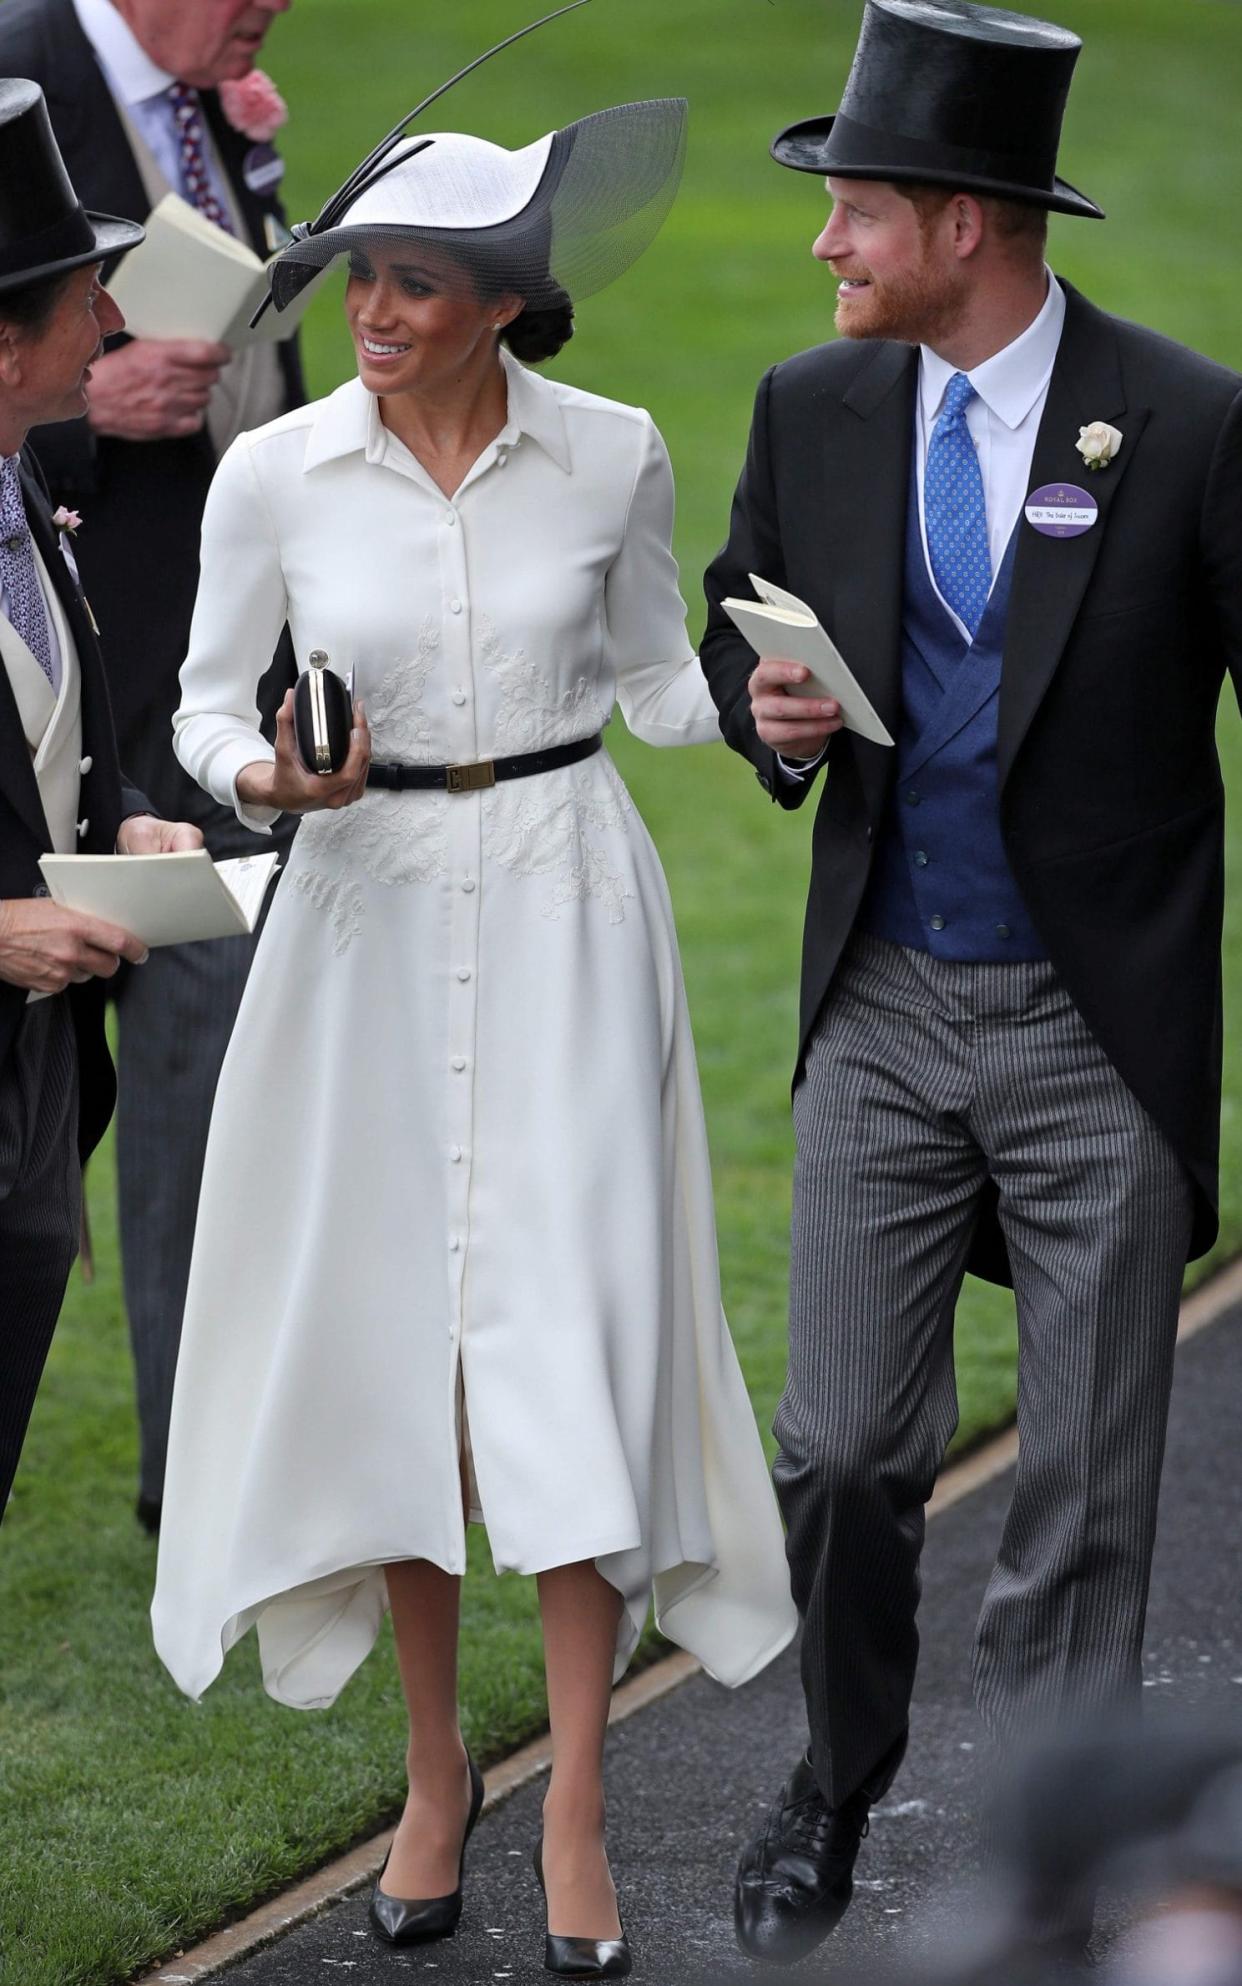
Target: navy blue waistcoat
x=940, y=881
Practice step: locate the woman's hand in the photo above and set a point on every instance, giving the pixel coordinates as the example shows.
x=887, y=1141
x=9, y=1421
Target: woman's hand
x=288, y=786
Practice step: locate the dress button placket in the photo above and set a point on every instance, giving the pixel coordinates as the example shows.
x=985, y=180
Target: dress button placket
x=465, y=893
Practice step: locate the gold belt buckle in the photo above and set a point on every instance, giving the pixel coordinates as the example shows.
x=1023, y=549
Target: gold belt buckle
x=470, y=778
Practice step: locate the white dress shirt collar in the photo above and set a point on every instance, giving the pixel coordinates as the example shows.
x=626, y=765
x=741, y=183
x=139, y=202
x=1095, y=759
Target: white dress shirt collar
x=348, y=421
x=1013, y=379
x=134, y=77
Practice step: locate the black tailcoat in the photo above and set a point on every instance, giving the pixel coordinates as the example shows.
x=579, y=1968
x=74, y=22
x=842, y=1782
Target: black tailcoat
x=142, y=501
x=1111, y=800
x=105, y=803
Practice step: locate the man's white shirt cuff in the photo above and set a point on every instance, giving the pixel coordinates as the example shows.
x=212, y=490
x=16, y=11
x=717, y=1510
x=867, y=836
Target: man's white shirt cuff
x=801, y=769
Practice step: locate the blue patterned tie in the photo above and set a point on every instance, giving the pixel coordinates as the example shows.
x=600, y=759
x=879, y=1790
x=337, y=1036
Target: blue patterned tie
x=23, y=596
x=955, y=512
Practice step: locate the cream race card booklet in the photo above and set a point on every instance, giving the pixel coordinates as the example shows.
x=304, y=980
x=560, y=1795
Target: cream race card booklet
x=164, y=899
x=779, y=624
x=189, y=279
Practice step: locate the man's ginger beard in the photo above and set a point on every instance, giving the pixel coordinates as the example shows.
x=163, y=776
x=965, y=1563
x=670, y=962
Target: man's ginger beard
x=919, y=307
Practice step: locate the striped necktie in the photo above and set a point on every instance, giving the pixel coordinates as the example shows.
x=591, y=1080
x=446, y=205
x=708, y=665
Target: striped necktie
x=191, y=136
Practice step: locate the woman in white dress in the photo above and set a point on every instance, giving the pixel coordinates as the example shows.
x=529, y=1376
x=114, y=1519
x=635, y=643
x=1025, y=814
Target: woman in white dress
x=455, y=1251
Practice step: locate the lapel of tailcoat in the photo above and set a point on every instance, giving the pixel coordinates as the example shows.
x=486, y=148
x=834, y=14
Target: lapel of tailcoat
x=867, y=471
x=86, y=119
x=17, y=776
x=1051, y=575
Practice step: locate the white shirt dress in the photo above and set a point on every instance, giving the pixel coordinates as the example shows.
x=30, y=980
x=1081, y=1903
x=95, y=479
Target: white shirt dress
x=457, y=1189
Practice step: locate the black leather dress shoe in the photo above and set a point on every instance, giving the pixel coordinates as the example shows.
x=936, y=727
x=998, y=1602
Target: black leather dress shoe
x=796, y=1878
x=582, y=1958
x=401, y=1920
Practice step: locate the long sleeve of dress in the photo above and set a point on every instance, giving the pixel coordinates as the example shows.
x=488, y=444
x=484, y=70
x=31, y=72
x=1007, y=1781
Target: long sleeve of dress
x=238, y=616
x=661, y=689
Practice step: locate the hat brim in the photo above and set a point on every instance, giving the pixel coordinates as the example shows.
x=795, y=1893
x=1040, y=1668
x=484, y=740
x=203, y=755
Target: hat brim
x=113, y=237
x=807, y=147
x=605, y=186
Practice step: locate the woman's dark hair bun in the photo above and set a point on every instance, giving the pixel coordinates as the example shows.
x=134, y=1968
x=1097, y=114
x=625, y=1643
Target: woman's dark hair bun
x=540, y=331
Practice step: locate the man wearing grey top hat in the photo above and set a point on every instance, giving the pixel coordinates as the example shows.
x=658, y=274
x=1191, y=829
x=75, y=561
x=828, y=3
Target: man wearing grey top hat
x=1018, y=519
x=60, y=788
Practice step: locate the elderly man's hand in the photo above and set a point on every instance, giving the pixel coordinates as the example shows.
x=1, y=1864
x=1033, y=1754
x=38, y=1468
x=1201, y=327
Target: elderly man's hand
x=143, y=834
x=795, y=726
x=45, y=948
x=154, y=389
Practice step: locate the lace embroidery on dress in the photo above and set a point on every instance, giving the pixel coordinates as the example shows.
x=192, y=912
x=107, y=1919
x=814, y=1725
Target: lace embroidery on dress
x=559, y=825
x=397, y=838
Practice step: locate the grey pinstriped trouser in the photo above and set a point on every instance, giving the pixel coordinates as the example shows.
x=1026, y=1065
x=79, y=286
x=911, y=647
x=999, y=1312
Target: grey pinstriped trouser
x=924, y=1077
x=40, y=1208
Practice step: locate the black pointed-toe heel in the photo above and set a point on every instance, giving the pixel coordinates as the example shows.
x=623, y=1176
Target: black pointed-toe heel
x=401, y=1920
x=582, y=1958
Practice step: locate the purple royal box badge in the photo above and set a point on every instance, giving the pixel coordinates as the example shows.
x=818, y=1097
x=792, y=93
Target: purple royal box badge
x=1061, y=510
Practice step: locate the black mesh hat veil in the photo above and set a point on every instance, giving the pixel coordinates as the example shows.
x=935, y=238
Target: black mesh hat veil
x=567, y=213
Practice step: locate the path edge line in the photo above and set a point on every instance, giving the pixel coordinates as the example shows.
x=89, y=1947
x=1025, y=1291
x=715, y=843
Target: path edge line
x=349, y=1872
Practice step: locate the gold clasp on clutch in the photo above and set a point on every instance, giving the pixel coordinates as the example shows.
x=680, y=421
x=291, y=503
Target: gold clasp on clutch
x=471, y=778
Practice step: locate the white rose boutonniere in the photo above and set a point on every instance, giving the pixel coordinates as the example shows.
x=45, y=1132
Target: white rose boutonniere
x=1098, y=444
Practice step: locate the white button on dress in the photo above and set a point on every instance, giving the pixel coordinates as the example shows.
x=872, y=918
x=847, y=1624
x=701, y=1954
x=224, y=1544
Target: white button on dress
x=492, y=974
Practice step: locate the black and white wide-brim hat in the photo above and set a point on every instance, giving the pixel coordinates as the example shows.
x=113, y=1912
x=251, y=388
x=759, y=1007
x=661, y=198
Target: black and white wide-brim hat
x=565, y=214
x=947, y=93
x=45, y=230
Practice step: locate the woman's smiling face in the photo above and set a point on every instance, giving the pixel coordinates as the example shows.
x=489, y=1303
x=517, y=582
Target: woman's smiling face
x=418, y=324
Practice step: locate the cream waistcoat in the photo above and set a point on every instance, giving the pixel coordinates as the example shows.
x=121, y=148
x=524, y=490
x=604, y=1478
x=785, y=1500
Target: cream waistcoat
x=52, y=724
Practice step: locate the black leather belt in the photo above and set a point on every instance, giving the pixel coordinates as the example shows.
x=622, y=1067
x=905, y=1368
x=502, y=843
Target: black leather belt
x=476, y=774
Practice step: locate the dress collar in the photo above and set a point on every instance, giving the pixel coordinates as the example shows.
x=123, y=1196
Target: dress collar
x=134, y=76
x=1012, y=380
x=535, y=410
x=348, y=421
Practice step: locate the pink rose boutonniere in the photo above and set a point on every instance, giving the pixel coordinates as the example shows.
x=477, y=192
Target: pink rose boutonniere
x=66, y=523
x=254, y=106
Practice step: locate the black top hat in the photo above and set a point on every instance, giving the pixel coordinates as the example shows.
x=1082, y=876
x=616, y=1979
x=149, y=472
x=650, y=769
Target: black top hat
x=44, y=228
x=949, y=94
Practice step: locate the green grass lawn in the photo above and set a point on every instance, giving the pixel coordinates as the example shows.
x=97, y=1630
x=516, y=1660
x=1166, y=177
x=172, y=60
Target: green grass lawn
x=131, y=1821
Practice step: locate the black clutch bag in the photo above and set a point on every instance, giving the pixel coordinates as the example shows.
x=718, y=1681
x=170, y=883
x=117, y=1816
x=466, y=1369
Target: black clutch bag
x=323, y=715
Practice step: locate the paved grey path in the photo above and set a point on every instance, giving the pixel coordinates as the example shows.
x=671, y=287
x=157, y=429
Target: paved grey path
x=690, y=1777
